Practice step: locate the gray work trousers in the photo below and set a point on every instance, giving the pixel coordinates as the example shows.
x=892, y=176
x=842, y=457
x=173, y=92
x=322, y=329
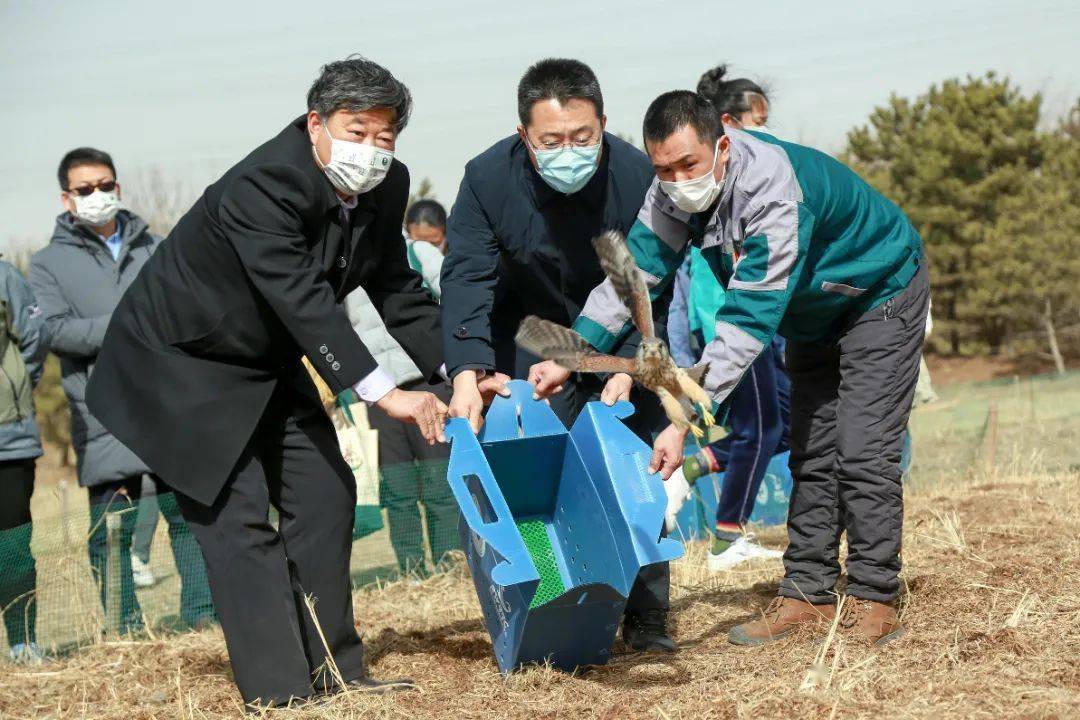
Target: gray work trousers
x=850, y=403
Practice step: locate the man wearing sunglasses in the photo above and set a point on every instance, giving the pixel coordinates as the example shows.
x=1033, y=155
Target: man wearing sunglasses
x=96, y=251
x=520, y=244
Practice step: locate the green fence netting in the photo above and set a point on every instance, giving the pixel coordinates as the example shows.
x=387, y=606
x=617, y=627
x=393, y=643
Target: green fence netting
x=86, y=587
x=1007, y=427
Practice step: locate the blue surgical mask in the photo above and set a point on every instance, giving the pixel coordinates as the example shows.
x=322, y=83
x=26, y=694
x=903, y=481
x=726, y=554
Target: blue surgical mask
x=568, y=169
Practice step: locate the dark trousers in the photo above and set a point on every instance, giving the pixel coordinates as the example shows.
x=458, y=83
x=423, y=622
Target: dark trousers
x=18, y=572
x=123, y=497
x=260, y=575
x=413, y=473
x=651, y=590
x=850, y=404
x=759, y=416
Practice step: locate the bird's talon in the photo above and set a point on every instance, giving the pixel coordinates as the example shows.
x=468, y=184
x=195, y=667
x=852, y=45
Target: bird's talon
x=698, y=432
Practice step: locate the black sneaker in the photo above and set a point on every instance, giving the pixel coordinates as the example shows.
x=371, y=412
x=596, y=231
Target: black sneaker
x=647, y=632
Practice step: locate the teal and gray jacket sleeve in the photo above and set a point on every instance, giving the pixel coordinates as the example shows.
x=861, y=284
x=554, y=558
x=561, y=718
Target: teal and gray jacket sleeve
x=760, y=281
x=658, y=240
x=759, y=278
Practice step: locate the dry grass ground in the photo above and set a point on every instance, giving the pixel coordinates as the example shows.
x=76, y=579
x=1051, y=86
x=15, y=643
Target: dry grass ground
x=992, y=603
x=992, y=606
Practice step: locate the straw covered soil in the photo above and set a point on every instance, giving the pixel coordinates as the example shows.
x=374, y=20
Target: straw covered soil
x=992, y=603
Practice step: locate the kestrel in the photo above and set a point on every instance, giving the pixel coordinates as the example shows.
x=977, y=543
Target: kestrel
x=679, y=389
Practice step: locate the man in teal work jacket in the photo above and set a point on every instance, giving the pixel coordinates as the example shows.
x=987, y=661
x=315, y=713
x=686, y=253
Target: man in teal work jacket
x=806, y=249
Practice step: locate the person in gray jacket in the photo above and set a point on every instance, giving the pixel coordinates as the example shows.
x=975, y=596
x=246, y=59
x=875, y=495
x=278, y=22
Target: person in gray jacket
x=95, y=253
x=22, y=354
x=412, y=471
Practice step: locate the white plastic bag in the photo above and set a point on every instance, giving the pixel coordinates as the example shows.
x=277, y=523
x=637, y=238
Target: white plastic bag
x=678, y=492
x=360, y=448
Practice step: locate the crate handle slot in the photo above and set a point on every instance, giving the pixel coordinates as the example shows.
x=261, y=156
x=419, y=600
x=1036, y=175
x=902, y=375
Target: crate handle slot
x=480, y=499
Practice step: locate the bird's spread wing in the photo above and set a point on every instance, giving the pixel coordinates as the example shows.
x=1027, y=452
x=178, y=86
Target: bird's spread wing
x=621, y=268
x=598, y=363
x=551, y=341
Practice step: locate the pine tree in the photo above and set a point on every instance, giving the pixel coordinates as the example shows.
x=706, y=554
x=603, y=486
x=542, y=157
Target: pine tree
x=1030, y=263
x=948, y=158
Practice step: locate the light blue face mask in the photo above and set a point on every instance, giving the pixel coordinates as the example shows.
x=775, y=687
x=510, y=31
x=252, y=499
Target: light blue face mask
x=568, y=169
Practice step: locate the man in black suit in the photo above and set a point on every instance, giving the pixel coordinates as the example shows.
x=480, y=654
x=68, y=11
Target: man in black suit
x=201, y=373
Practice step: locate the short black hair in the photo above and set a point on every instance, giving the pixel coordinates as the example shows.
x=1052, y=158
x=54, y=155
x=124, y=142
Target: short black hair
x=426, y=212
x=560, y=79
x=675, y=110
x=82, y=156
x=356, y=84
x=729, y=96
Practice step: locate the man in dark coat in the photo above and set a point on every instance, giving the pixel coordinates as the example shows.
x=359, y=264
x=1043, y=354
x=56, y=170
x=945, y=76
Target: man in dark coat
x=520, y=244
x=201, y=372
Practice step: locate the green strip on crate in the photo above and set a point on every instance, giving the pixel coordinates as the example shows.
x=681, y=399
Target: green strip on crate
x=534, y=533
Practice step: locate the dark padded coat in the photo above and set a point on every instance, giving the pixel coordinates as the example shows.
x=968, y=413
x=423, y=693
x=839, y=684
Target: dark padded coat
x=78, y=284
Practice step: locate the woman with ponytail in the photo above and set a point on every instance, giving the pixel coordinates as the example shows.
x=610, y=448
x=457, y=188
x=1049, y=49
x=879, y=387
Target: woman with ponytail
x=758, y=415
x=743, y=103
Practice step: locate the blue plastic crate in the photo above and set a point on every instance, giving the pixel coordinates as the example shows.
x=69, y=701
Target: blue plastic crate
x=572, y=514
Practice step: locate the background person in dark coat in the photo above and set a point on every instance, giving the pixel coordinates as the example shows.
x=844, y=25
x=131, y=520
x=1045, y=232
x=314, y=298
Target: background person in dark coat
x=96, y=251
x=201, y=371
x=520, y=244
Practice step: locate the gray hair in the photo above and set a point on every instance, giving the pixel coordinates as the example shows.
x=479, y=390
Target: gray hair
x=356, y=84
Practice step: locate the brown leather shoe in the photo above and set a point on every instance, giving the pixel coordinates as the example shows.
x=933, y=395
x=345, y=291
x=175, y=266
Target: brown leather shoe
x=780, y=618
x=870, y=621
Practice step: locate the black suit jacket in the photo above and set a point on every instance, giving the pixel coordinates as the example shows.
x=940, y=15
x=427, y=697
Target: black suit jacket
x=247, y=282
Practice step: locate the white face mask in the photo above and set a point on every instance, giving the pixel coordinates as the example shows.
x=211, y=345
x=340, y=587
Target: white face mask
x=354, y=168
x=697, y=194
x=757, y=128
x=97, y=208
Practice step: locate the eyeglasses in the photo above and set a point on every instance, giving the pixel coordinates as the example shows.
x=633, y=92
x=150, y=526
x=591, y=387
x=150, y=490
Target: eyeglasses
x=584, y=144
x=84, y=190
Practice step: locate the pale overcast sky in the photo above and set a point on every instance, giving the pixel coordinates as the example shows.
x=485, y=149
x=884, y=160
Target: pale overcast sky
x=190, y=87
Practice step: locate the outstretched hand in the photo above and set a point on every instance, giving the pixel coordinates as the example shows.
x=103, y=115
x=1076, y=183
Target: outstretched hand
x=548, y=377
x=422, y=409
x=667, y=454
x=492, y=385
x=472, y=394
x=617, y=388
